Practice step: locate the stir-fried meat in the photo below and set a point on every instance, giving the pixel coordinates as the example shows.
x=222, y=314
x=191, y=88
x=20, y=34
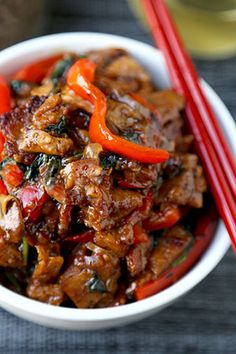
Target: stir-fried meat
x=117, y=240
x=41, y=285
x=127, y=69
x=11, y=221
x=123, y=202
x=125, y=119
x=168, y=103
x=48, y=266
x=75, y=101
x=10, y=256
x=77, y=224
x=11, y=125
x=50, y=293
x=121, y=117
x=105, y=57
x=144, y=176
x=187, y=187
x=88, y=186
x=137, y=257
x=34, y=140
x=92, y=276
x=50, y=112
x=169, y=247
x=116, y=69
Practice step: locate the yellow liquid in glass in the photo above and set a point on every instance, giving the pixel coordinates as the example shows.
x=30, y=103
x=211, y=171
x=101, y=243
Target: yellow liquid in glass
x=208, y=27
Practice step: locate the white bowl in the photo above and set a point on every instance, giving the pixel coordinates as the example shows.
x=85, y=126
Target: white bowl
x=13, y=58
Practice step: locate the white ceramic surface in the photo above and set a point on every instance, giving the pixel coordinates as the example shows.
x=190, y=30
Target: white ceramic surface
x=80, y=319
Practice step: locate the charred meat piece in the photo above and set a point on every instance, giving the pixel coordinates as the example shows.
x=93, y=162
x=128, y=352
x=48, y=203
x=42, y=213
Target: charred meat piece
x=116, y=69
x=137, y=258
x=169, y=247
x=11, y=125
x=42, y=286
x=118, y=240
x=49, y=293
x=10, y=256
x=34, y=140
x=91, y=277
x=11, y=220
x=168, y=103
x=50, y=112
x=88, y=186
x=187, y=187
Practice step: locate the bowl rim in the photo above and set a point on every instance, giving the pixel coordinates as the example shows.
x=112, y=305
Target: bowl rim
x=212, y=256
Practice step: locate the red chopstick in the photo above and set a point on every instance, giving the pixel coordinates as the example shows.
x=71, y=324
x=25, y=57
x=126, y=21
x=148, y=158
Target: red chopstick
x=211, y=145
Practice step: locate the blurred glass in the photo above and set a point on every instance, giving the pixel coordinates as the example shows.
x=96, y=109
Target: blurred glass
x=20, y=19
x=208, y=27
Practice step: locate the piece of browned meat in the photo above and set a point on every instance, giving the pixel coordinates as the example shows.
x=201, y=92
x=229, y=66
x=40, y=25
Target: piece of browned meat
x=118, y=240
x=187, y=187
x=10, y=256
x=168, y=103
x=89, y=186
x=117, y=69
x=92, y=277
x=50, y=112
x=169, y=247
x=137, y=257
x=42, y=286
x=11, y=220
x=35, y=140
x=11, y=125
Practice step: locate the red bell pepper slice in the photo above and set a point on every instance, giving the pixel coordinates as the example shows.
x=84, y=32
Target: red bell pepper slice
x=36, y=71
x=134, y=185
x=140, y=235
x=12, y=175
x=2, y=142
x=3, y=188
x=162, y=219
x=204, y=232
x=32, y=199
x=5, y=98
x=79, y=80
x=82, y=237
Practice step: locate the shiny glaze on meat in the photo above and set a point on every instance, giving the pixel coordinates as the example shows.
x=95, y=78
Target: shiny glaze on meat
x=84, y=188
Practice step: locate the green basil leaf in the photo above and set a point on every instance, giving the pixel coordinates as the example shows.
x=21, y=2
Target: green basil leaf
x=96, y=285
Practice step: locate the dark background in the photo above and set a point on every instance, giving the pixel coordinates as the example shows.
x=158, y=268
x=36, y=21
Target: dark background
x=204, y=321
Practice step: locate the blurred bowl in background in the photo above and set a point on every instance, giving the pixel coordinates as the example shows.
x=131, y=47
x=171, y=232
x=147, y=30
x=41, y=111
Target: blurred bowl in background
x=20, y=19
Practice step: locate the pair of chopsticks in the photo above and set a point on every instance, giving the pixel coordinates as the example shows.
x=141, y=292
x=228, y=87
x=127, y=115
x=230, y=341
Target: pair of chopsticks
x=211, y=145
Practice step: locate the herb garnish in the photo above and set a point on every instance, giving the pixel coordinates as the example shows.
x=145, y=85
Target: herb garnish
x=10, y=160
x=20, y=88
x=132, y=136
x=25, y=249
x=59, y=128
x=12, y=279
x=184, y=254
x=6, y=161
x=108, y=161
x=96, y=285
x=61, y=67
x=32, y=171
x=54, y=164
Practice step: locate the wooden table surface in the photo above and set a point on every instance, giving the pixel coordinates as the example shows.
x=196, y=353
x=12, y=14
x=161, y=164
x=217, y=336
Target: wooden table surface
x=204, y=321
